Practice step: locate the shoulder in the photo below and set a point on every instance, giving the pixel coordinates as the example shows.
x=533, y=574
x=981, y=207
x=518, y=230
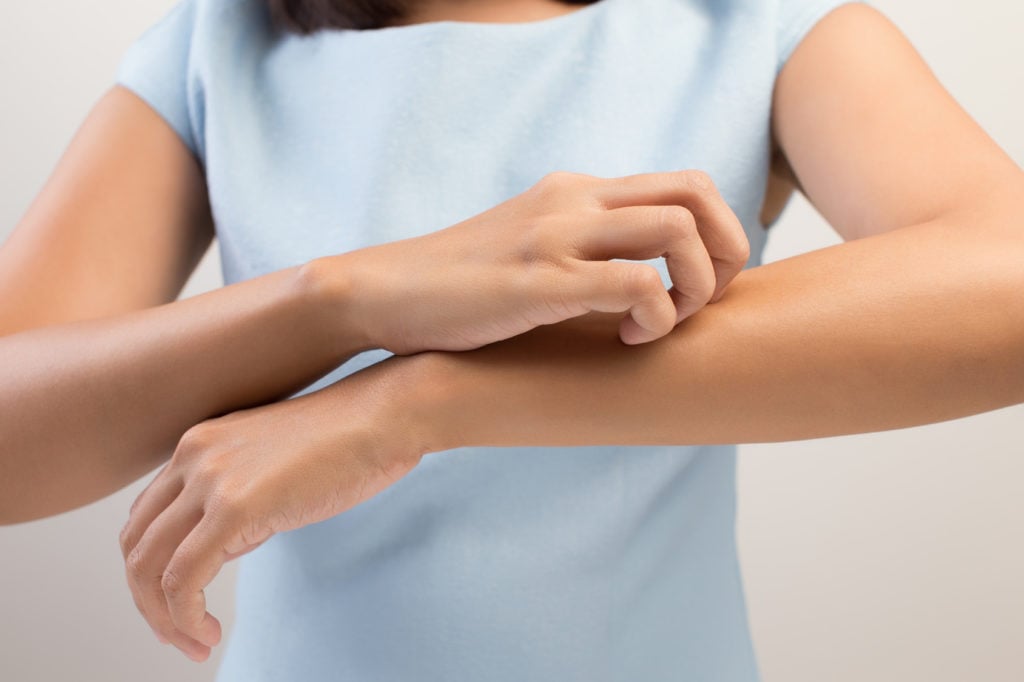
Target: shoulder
x=171, y=62
x=188, y=22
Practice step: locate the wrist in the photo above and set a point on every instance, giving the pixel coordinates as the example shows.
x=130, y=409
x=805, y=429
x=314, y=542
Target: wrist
x=432, y=401
x=328, y=284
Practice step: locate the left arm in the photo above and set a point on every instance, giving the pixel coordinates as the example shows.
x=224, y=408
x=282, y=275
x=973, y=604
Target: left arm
x=917, y=318
x=779, y=357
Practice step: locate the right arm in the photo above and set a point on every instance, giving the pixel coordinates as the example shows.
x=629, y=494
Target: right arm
x=102, y=370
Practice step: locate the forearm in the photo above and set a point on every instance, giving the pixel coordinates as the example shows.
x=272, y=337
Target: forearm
x=909, y=327
x=87, y=407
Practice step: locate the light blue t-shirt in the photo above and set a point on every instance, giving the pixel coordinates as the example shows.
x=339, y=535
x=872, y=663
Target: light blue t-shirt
x=485, y=564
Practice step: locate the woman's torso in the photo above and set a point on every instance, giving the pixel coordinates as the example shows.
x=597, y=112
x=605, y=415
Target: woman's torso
x=590, y=563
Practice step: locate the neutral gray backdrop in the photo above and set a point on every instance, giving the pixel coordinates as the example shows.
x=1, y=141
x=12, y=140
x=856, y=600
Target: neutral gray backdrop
x=894, y=556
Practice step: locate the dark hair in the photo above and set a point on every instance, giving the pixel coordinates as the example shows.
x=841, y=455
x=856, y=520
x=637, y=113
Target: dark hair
x=308, y=16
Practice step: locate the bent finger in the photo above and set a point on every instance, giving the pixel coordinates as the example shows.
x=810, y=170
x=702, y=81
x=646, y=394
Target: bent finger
x=643, y=232
x=146, y=565
x=720, y=229
x=632, y=232
x=197, y=561
x=621, y=286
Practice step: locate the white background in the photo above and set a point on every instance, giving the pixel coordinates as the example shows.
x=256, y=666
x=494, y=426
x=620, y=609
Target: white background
x=894, y=556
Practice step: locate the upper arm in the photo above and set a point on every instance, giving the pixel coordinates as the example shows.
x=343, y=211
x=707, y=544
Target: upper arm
x=120, y=224
x=874, y=139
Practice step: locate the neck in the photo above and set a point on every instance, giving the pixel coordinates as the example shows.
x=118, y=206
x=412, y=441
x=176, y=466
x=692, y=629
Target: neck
x=485, y=11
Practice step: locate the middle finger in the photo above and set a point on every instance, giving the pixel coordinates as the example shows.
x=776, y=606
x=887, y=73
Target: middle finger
x=145, y=567
x=642, y=232
x=719, y=228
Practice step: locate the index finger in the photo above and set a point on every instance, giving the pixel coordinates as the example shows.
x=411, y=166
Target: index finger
x=719, y=228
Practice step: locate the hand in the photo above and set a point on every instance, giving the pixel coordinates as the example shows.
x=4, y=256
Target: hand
x=543, y=256
x=235, y=480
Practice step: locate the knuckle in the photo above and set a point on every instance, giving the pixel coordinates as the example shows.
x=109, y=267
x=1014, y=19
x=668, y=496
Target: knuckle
x=560, y=181
x=172, y=583
x=549, y=182
x=535, y=278
x=193, y=442
x=559, y=177
x=135, y=563
x=641, y=281
x=699, y=180
x=677, y=222
x=538, y=243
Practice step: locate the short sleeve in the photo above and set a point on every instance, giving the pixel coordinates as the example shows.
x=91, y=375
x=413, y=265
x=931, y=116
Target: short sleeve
x=156, y=68
x=795, y=19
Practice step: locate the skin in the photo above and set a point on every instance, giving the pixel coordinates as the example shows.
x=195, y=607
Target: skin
x=90, y=274
x=260, y=340
x=921, y=320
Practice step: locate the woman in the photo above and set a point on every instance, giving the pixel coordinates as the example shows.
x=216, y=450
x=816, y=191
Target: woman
x=394, y=541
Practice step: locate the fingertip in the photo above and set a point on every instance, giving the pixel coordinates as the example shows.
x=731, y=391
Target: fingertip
x=212, y=630
x=193, y=648
x=196, y=650
x=684, y=306
x=630, y=332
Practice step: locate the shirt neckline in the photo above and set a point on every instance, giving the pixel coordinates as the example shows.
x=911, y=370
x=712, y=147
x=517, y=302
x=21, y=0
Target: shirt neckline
x=579, y=15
